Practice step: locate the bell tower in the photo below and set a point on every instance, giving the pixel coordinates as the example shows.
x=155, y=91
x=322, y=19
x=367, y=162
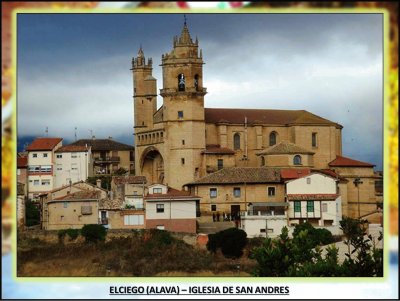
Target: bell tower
x=183, y=109
x=144, y=92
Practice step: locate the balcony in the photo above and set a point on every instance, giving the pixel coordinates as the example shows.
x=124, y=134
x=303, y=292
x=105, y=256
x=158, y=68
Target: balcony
x=99, y=160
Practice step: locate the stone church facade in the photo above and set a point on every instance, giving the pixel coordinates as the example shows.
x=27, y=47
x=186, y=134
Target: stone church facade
x=182, y=141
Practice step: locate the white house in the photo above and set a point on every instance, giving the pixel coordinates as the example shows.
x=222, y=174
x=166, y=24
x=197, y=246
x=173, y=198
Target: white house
x=314, y=198
x=170, y=209
x=73, y=163
x=41, y=161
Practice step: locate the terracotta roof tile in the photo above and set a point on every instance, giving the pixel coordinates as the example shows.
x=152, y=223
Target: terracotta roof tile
x=217, y=149
x=72, y=148
x=22, y=162
x=258, y=116
x=233, y=175
x=171, y=194
x=294, y=173
x=110, y=204
x=285, y=147
x=103, y=144
x=43, y=144
x=80, y=195
x=347, y=162
x=129, y=180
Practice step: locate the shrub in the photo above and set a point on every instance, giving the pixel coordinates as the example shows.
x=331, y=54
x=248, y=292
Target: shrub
x=93, y=233
x=316, y=236
x=32, y=214
x=73, y=233
x=231, y=242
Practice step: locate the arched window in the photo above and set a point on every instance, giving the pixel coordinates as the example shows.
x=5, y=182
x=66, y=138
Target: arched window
x=272, y=138
x=181, y=82
x=196, y=82
x=297, y=160
x=262, y=161
x=236, y=141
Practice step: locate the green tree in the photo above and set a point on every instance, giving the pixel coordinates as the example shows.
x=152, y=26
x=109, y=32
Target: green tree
x=94, y=233
x=32, y=214
x=231, y=242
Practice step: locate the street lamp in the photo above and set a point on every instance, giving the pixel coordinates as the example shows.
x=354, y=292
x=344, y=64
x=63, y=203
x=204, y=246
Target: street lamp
x=356, y=182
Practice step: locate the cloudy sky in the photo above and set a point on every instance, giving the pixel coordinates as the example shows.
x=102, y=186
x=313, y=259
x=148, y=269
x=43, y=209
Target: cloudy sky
x=73, y=69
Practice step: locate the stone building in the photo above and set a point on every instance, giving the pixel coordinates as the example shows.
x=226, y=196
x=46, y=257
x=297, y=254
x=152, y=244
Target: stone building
x=183, y=142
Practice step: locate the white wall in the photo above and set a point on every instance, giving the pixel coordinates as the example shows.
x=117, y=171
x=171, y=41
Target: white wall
x=172, y=209
x=319, y=184
x=72, y=166
x=252, y=225
x=164, y=188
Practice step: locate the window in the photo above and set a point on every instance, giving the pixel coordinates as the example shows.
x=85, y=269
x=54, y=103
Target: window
x=74, y=166
x=262, y=230
x=271, y=191
x=180, y=114
x=220, y=163
x=182, y=161
x=314, y=139
x=45, y=168
x=236, y=192
x=183, y=141
x=36, y=182
x=59, y=156
x=308, y=180
x=310, y=206
x=133, y=220
x=65, y=204
x=324, y=207
x=34, y=168
x=59, y=166
x=236, y=141
x=297, y=160
x=34, y=155
x=160, y=208
x=181, y=82
x=213, y=208
x=262, y=161
x=157, y=190
x=74, y=156
x=45, y=182
x=272, y=138
x=45, y=155
x=270, y=230
x=135, y=193
x=297, y=206
x=196, y=82
x=213, y=192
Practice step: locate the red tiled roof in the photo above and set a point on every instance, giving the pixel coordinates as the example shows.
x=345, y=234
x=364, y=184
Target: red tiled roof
x=343, y=161
x=259, y=116
x=104, y=144
x=22, y=162
x=43, y=144
x=285, y=147
x=309, y=197
x=72, y=148
x=294, y=173
x=81, y=195
x=331, y=173
x=172, y=194
x=129, y=180
x=235, y=175
x=217, y=149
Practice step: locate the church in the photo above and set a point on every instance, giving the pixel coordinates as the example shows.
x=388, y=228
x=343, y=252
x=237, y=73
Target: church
x=182, y=143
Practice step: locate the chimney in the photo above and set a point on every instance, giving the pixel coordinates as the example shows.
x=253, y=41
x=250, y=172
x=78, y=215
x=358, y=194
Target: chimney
x=98, y=183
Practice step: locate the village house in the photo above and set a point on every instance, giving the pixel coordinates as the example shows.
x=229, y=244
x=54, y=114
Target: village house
x=22, y=171
x=73, y=210
x=125, y=208
x=73, y=163
x=170, y=209
x=108, y=155
x=41, y=162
